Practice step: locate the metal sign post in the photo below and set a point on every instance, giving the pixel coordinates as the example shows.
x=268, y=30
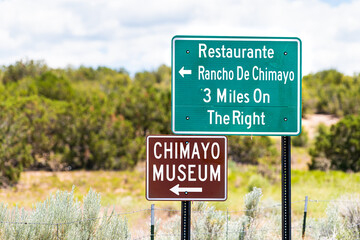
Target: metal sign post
x=227, y=86
x=185, y=220
x=286, y=186
x=186, y=168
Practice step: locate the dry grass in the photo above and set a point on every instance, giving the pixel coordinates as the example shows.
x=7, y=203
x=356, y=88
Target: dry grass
x=113, y=186
x=125, y=190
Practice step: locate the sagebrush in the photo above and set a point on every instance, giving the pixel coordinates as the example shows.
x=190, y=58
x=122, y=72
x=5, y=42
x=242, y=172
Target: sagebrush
x=61, y=216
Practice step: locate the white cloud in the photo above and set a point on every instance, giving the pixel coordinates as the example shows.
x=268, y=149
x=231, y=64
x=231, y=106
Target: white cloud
x=137, y=34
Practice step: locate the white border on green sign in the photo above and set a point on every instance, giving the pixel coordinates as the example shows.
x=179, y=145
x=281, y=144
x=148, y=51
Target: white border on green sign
x=269, y=39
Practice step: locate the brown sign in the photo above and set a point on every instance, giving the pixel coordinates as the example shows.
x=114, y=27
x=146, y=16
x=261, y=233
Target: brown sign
x=186, y=168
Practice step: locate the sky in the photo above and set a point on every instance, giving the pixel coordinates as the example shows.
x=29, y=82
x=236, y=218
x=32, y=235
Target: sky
x=136, y=34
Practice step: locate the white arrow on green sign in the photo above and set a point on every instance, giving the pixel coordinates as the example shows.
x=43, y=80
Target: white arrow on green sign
x=184, y=72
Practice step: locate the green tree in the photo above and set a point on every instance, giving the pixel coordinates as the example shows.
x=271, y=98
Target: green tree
x=54, y=87
x=15, y=151
x=341, y=145
x=302, y=139
x=317, y=153
x=147, y=103
x=21, y=69
x=331, y=92
x=250, y=149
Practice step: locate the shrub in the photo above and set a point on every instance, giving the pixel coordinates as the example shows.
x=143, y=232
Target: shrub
x=331, y=92
x=318, y=158
x=21, y=69
x=246, y=225
x=250, y=149
x=257, y=181
x=54, y=87
x=252, y=200
x=15, y=151
x=342, y=220
x=61, y=216
x=208, y=223
x=301, y=140
x=91, y=137
x=29, y=134
x=341, y=145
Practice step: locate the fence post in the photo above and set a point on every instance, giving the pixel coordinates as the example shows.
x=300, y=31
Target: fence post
x=152, y=227
x=57, y=231
x=305, y=212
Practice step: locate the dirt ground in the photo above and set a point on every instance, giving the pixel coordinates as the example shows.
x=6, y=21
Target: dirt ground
x=311, y=122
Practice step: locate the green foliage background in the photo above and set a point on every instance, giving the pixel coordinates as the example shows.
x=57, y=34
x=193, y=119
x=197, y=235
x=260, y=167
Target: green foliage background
x=338, y=147
x=78, y=118
x=98, y=118
x=331, y=92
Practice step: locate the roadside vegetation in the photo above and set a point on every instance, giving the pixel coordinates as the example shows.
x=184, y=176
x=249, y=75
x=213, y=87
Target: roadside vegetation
x=86, y=118
x=63, y=216
x=87, y=127
x=92, y=119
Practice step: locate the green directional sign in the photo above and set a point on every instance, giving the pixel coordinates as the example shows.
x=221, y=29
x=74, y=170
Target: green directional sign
x=236, y=85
